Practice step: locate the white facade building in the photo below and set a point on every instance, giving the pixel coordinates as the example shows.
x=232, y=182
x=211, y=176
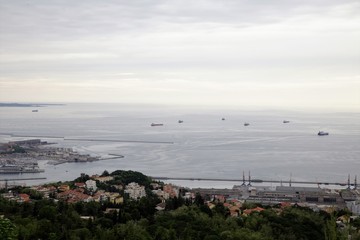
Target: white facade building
x=135, y=191
x=91, y=185
x=354, y=207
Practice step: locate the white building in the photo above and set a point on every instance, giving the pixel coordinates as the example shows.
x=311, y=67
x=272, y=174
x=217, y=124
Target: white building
x=354, y=207
x=91, y=185
x=161, y=194
x=135, y=191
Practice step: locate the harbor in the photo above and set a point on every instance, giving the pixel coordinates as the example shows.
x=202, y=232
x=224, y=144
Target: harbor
x=21, y=157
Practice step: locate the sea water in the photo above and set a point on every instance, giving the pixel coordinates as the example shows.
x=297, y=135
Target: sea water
x=203, y=146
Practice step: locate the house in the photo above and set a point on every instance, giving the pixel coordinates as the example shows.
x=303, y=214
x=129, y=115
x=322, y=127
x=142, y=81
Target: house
x=155, y=186
x=46, y=191
x=135, y=191
x=73, y=196
x=91, y=185
x=118, y=187
x=211, y=205
x=161, y=194
x=171, y=190
x=234, y=211
x=249, y=211
x=111, y=210
x=80, y=185
x=354, y=207
x=23, y=197
x=104, y=179
x=161, y=206
x=63, y=188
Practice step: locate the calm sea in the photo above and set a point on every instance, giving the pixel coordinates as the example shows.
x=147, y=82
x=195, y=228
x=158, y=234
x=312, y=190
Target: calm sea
x=203, y=146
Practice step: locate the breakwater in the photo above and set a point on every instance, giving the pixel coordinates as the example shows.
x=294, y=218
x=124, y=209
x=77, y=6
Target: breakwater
x=257, y=181
x=86, y=139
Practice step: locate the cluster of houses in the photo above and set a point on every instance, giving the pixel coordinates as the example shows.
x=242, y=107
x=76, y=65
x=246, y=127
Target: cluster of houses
x=231, y=199
x=88, y=191
x=21, y=197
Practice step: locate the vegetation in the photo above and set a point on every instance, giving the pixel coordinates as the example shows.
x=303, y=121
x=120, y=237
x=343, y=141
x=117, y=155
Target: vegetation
x=126, y=177
x=182, y=219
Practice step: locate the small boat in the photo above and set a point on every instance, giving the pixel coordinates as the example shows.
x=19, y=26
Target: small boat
x=322, y=133
x=223, y=119
x=246, y=124
x=286, y=121
x=35, y=110
x=180, y=121
x=157, y=124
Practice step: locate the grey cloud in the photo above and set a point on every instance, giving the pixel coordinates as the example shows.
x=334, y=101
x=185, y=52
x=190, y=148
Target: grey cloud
x=68, y=19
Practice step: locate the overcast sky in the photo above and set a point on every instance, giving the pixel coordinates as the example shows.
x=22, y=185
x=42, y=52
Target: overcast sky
x=279, y=54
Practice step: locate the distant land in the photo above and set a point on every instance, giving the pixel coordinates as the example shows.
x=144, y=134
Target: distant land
x=28, y=104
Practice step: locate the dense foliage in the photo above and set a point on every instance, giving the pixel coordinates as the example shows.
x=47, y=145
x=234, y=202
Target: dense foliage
x=126, y=177
x=44, y=219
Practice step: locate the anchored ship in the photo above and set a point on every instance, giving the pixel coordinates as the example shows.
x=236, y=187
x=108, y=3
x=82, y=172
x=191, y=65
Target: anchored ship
x=322, y=133
x=9, y=168
x=157, y=124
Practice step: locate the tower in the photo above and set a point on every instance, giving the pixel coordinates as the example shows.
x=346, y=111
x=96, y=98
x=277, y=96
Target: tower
x=243, y=184
x=249, y=184
x=355, y=182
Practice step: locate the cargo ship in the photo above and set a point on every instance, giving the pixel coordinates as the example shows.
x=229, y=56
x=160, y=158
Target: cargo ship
x=9, y=168
x=321, y=133
x=156, y=124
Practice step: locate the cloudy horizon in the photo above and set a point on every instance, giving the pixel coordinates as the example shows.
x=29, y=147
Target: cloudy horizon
x=213, y=53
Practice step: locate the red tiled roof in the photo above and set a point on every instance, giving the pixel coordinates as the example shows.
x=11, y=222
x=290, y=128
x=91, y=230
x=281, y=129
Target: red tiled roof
x=257, y=209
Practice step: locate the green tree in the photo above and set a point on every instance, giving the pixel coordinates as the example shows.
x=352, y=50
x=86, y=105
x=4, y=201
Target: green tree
x=7, y=229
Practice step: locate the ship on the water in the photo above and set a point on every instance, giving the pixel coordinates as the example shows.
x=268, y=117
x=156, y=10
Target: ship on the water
x=286, y=121
x=180, y=121
x=322, y=133
x=35, y=110
x=10, y=168
x=157, y=124
x=246, y=124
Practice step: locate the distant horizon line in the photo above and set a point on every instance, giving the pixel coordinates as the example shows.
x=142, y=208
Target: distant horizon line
x=192, y=106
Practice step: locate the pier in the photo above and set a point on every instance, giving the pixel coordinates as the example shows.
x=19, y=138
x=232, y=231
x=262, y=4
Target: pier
x=86, y=139
x=7, y=180
x=21, y=179
x=114, y=140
